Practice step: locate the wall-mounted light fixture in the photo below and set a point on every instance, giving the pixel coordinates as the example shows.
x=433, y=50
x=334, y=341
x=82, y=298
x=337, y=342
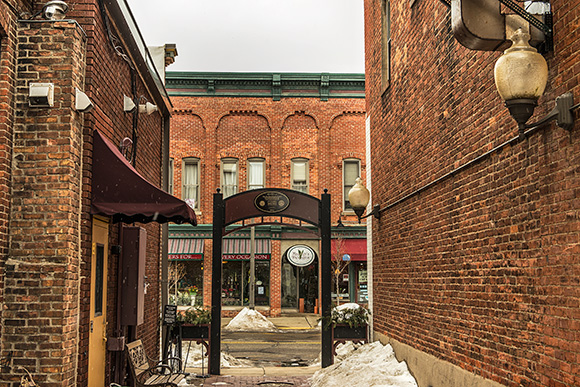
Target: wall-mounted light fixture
x=128, y=104
x=148, y=108
x=41, y=95
x=54, y=10
x=82, y=102
x=359, y=197
x=521, y=75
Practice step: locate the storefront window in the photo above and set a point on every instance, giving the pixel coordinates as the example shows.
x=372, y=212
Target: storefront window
x=186, y=282
x=236, y=283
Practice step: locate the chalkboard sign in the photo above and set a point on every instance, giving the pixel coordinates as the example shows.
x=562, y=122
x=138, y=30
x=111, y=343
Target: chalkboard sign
x=170, y=314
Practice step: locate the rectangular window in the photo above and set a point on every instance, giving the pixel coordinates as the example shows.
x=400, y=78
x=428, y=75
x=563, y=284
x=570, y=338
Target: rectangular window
x=255, y=173
x=300, y=175
x=229, y=177
x=170, y=177
x=386, y=43
x=99, y=279
x=351, y=170
x=191, y=181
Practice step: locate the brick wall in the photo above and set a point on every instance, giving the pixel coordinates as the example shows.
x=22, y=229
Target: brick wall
x=46, y=192
x=480, y=270
x=42, y=271
x=212, y=128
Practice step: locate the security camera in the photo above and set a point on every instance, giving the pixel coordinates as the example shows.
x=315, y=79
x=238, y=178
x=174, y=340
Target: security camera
x=41, y=94
x=54, y=10
x=82, y=102
x=148, y=108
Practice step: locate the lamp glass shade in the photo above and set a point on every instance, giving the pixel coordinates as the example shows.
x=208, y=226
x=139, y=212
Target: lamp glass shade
x=521, y=73
x=359, y=196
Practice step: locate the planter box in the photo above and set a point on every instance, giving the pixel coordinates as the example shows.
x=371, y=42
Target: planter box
x=345, y=332
x=194, y=332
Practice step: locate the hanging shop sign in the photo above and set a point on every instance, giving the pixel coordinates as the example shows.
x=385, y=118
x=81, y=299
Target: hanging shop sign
x=271, y=202
x=300, y=255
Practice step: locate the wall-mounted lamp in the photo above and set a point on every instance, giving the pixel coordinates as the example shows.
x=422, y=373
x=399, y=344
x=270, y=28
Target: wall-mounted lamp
x=521, y=75
x=359, y=197
x=148, y=108
x=54, y=10
x=41, y=95
x=82, y=102
x=128, y=104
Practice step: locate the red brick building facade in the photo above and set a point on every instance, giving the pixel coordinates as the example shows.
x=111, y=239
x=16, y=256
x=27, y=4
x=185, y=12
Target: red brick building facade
x=475, y=263
x=241, y=131
x=59, y=257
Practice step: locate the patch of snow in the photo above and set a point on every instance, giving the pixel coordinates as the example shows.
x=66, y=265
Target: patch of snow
x=193, y=359
x=371, y=365
x=249, y=320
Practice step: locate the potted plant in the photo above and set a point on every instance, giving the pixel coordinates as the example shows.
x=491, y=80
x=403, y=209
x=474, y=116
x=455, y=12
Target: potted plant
x=348, y=322
x=194, y=323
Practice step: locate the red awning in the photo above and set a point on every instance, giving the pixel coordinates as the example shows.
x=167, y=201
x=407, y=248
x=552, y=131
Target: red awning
x=356, y=248
x=121, y=192
x=185, y=249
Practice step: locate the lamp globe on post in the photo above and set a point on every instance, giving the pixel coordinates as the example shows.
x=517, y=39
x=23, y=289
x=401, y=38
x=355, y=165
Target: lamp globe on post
x=359, y=197
x=521, y=75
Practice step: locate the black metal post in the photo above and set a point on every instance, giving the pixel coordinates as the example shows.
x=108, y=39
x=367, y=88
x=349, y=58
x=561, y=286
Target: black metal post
x=216, y=284
x=326, y=279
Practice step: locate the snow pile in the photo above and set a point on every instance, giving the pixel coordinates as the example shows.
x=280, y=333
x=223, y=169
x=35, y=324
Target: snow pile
x=248, y=320
x=192, y=358
x=371, y=365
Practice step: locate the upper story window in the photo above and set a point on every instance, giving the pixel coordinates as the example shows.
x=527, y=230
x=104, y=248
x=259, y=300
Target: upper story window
x=256, y=173
x=386, y=43
x=299, y=174
x=170, y=177
x=229, y=177
x=350, y=171
x=190, y=177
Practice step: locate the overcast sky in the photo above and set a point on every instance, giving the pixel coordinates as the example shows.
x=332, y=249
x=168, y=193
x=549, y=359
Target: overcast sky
x=256, y=35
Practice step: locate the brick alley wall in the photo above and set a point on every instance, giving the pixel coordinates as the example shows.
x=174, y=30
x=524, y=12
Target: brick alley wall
x=480, y=270
x=45, y=191
x=42, y=271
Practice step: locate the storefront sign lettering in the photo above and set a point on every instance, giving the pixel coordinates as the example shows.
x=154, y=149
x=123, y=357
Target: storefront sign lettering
x=300, y=255
x=271, y=202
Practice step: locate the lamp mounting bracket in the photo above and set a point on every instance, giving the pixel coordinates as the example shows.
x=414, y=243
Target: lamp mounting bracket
x=546, y=28
x=562, y=113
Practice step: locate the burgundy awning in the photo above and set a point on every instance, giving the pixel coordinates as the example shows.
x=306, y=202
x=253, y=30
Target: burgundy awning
x=356, y=248
x=121, y=192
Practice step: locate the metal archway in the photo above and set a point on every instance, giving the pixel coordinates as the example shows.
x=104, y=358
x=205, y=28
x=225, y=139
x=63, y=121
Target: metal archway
x=269, y=202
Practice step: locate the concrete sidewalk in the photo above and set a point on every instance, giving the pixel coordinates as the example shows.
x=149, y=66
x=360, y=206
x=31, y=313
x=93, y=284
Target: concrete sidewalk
x=289, y=321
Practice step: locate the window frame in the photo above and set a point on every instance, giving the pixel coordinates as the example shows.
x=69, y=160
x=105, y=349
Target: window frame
x=184, y=163
x=294, y=161
x=345, y=188
x=236, y=162
x=170, y=176
x=257, y=160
